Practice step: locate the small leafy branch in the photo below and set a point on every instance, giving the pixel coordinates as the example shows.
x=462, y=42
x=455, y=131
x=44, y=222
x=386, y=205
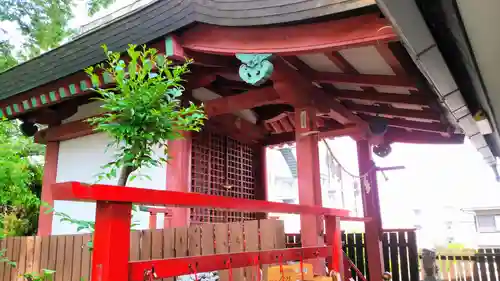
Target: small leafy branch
x=47, y=275
x=143, y=109
x=4, y=259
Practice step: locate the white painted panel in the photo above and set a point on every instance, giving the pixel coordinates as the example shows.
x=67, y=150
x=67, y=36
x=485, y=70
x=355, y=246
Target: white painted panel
x=320, y=62
x=367, y=60
x=85, y=111
x=80, y=160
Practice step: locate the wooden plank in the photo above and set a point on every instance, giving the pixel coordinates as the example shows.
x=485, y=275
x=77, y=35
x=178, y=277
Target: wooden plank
x=21, y=260
x=78, y=247
x=30, y=254
x=267, y=239
x=168, y=246
x=207, y=239
x=222, y=246
x=44, y=252
x=68, y=257
x=403, y=256
x=194, y=240
x=413, y=255
x=351, y=251
x=37, y=255
x=9, y=245
x=280, y=234
x=496, y=252
x=393, y=242
x=86, y=258
x=51, y=260
x=15, y=257
x=3, y=247
x=135, y=245
x=236, y=246
x=491, y=264
x=60, y=258
x=251, y=236
x=360, y=252
x=157, y=244
x=145, y=250
x=385, y=252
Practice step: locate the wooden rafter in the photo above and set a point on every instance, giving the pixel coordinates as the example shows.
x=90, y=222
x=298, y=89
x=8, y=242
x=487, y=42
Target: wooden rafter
x=250, y=99
x=237, y=128
x=403, y=136
x=387, y=98
x=324, y=133
x=299, y=92
x=432, y=127
x=395, y=112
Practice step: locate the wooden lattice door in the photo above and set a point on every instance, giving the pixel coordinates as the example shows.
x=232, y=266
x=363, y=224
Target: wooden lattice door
x=221, y=166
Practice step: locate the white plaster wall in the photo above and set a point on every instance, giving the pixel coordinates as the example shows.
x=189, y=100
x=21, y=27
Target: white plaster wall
x=81, y=160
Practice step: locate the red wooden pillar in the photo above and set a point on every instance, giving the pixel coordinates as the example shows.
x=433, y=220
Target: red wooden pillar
x=111, y=241
x=371, y=208
x=309, y=180
x=49, y=178
x=260, y=176
x=334, y=239
x=179, y=175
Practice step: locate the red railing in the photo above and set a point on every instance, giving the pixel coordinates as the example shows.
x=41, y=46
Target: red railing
x=112, y=232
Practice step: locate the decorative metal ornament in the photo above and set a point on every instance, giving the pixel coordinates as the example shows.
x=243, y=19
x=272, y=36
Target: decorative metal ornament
x=255, y=68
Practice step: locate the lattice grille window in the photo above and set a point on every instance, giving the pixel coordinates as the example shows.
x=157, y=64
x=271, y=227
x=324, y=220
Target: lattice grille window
x=211, y=175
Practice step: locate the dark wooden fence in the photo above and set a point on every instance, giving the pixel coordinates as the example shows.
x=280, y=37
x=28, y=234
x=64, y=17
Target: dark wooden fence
x=399, y=251
x=483, y=265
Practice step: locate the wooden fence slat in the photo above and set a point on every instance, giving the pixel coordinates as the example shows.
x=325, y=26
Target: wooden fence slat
x=393, y=250
x=385, y=252
x=51, y=264
x=236, y=246
x=168, y=246
x=3, y=246
x=145, y=249
x=157, y=244
x=15, y=257
x=496, y=252
x=68, y=257
x=413, y=255
x=251, y=236
x=194, y=240
x=222, y=246
x=135, y=245
x=403, y=256
x=9, y=245
x=76, y=270
x=351, y=252
x=60, y=257
x=86, y=258
x=44, y=253
x=37, y=255
x=360, y=252
x=30, y=253
x=21, y=258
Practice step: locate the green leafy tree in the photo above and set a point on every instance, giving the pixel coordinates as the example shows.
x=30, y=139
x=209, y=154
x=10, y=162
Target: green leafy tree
x=144, y=109
x=20, y=181
x=43, y=23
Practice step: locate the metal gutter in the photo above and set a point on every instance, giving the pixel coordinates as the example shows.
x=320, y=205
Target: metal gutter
x=415, y=35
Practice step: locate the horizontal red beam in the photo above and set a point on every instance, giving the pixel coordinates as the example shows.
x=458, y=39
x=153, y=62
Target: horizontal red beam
x=300, y=38
x=250, y=99
x=75, y=191
x=189, y=265
x=364, y=80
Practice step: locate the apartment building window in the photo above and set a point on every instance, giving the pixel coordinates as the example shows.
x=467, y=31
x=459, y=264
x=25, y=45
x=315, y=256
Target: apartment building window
x=488, y=223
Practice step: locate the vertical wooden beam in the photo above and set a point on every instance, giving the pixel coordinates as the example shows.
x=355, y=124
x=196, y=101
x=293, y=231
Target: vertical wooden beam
x=179, y=175
x=49, y=178
x=111, y=241
x=152, y=220
x=334, y=239
x=371, y=208
x=309, y=180
x=260, y=175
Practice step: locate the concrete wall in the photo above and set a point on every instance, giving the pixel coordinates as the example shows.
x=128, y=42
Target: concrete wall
x=81, y=160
